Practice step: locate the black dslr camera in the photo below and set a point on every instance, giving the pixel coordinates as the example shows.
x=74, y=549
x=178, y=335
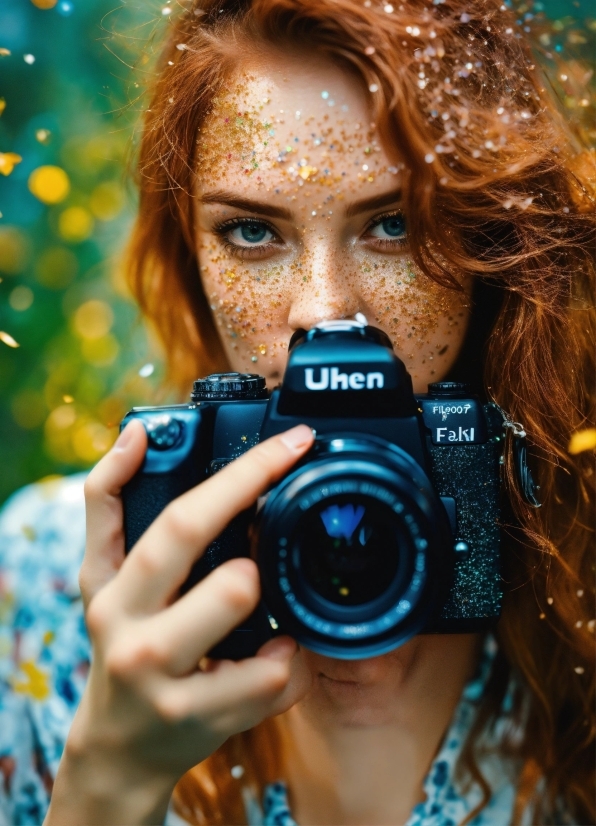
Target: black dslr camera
x=388, y=527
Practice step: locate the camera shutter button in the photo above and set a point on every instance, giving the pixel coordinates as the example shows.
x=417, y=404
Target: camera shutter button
x=163, y=432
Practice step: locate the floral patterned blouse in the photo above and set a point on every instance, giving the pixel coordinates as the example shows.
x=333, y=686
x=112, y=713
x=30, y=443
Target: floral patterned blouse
x=44, y=660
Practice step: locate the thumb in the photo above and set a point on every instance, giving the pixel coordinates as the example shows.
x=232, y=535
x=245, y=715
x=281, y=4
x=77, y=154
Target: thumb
x=104, y=552
x=283, y=649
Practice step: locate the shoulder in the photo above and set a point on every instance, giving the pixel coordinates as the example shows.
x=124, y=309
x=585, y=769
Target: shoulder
x=44, y=650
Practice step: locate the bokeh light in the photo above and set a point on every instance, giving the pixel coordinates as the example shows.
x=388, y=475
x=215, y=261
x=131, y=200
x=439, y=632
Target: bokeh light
x=75, y=224
x=50, y=184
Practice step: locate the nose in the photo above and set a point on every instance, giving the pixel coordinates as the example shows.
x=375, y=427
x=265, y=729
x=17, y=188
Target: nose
x=324, y=287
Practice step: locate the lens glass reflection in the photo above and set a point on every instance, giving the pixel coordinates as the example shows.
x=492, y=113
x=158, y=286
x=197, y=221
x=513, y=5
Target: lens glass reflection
x=348, y=549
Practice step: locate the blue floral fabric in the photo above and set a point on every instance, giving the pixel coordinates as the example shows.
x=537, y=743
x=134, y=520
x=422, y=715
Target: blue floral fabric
x=44, y=660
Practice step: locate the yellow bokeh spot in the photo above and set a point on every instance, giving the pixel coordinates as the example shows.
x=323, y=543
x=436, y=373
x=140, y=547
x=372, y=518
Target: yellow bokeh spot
x=92, y=440
x=44, y=4
x=583, y=440
x=93, y=319
x=107, y=200
x=36, y=682
x=56, y=267
x=2, y=105
x=8, y=161
x=21, y=298
x=28, y=409
x=75, y=224
x=100, y=352
x=61, y=418
x=14, y=250
x=50, y=184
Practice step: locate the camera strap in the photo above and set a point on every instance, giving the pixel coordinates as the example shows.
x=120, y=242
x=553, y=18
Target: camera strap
x=523, y=474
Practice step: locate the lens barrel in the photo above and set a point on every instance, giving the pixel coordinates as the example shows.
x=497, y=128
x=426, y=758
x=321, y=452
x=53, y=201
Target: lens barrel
x=354, y=548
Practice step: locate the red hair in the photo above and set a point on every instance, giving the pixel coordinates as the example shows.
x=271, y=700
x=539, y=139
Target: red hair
x=494, y=187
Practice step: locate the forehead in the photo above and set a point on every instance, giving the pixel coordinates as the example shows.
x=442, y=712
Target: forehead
x=286, y=122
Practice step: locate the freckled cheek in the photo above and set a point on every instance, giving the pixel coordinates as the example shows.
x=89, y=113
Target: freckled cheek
x=414, y=311
x=250, y=306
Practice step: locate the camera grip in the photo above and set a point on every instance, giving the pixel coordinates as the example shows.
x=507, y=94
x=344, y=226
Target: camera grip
x=144, y=498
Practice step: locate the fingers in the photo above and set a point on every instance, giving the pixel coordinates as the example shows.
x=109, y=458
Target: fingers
x=161, y=560
x=190, y=627
x=104, y=552
x=235, y=696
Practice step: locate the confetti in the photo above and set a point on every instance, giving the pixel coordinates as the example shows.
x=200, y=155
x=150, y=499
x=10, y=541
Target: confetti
x=582, y=440
x=2, y=105
x=4, y=52
x=373, y=87
x=370, y=50
x=237, y=772
x=146, y=371
x=44, y=4
x=8, y=161
x=29, y=59
x=579, y=669
x=166, y=10
x=8, y=339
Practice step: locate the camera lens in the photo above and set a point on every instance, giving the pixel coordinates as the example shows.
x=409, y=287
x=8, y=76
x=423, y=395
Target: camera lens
x=354, y=548
x=346, y=547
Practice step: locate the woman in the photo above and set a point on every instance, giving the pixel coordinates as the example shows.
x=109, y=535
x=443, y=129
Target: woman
x=284, y=144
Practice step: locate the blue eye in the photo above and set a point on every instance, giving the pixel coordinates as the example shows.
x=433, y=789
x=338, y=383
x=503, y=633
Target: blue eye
x=249, y=234
x=391, y=228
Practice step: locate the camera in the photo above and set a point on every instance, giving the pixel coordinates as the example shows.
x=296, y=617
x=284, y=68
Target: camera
x=389, y=525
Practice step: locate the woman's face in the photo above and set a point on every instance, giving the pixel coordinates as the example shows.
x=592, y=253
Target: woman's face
x=298, y=219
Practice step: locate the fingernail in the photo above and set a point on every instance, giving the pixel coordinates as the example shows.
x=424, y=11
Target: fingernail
x=124, y=438
x=298, y=437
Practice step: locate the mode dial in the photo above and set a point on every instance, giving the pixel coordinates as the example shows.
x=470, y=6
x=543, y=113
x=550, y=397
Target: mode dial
x=229, y=387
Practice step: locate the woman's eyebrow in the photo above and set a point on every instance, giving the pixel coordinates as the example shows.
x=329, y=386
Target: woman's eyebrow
x=226, y=198
x=221, y=196
x=376, y=202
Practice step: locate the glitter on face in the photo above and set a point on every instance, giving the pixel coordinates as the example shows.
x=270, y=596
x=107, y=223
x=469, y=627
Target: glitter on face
x=277, y=248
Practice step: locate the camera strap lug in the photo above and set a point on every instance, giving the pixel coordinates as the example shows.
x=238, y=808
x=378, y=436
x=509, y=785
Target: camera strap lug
x=523, y=474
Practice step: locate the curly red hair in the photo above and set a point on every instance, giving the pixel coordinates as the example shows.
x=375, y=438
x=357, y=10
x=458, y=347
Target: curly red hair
x=496, y=187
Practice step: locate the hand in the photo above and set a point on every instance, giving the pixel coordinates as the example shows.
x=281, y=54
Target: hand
x=149, y=713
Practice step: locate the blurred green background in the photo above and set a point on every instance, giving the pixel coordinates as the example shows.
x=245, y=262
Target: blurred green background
x=73, y=353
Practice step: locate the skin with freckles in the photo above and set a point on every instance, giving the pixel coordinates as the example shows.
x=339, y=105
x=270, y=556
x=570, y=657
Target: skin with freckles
x=298, y=219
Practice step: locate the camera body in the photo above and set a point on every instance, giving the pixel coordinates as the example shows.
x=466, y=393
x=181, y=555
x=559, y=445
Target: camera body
x=388, y=527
